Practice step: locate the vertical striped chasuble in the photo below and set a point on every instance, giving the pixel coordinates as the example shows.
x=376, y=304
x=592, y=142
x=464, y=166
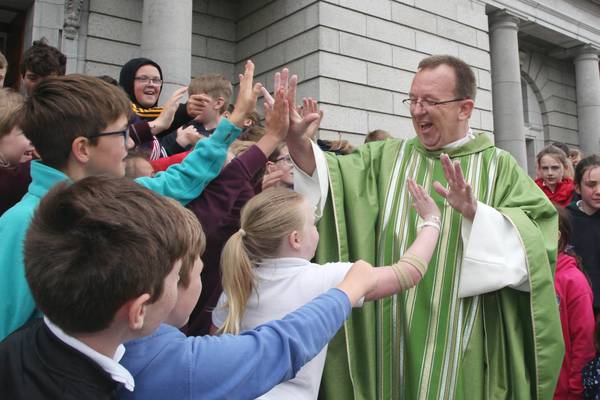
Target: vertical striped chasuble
x=427, y=343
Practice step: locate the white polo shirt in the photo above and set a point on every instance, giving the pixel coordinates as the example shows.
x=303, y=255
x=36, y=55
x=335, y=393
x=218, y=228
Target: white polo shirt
x=283, y=285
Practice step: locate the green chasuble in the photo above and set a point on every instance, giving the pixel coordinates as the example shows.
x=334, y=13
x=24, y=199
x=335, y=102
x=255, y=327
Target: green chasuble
x=427, y=343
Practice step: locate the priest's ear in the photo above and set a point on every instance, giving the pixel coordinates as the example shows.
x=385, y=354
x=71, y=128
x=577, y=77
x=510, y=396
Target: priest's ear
x=466, y=109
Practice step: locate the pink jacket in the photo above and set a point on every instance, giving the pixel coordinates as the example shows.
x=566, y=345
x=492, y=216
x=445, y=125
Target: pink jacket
x=575, y=301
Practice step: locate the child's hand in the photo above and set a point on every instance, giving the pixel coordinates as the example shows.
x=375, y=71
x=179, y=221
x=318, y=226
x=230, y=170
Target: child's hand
x=246, y=99
x=187, y=136
x=165, y=119
x=422, y=202
x=277, y=116
x=359, y=280
x=271, y=179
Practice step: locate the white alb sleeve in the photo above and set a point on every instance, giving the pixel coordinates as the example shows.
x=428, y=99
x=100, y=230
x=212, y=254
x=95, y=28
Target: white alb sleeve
x=316, y=186
x=493, y=257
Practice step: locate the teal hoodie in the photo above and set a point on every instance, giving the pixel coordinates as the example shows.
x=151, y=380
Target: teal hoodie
x=182, y=182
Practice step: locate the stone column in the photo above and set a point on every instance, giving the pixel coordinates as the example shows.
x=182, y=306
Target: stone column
x=506, y=86
x=167, y=40
x=587, y=77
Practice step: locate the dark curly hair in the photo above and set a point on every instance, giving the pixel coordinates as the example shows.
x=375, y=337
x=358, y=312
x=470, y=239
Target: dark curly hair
x=43, y=60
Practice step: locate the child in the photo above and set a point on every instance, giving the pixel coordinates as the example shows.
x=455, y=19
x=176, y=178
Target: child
x=39, y=62
x=141, y=79
x=213, y=92
x=102, y=259
x=169, y=365
x=575, y=156
x=552, y=163
x=267, y=272
x=575, y=303
x=585, y=220
x=78, y=125
x=15, y=151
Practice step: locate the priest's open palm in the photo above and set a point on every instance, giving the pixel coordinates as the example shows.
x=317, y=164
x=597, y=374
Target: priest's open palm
x=458, y=193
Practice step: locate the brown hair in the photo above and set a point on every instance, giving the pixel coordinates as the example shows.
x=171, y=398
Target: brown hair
x=566, y=231
x=195, y=244
x=60, y=109
x=43, y=60
x=466, y=85
x=555, y=152
x=95, y=244
x=11, y=103
x=589, y=162
x=377, y=134
x=266, y=220
x=252, y=133
x=214, y=85
x=340, y=146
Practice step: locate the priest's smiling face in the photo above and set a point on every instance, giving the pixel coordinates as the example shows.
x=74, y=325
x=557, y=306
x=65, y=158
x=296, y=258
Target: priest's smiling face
x=436, y=124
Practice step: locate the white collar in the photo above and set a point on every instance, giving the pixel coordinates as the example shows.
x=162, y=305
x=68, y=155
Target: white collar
x=110, y=365
x=469, y=136
x=283, y=262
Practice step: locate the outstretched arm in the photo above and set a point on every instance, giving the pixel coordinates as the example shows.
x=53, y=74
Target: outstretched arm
x=411, y=267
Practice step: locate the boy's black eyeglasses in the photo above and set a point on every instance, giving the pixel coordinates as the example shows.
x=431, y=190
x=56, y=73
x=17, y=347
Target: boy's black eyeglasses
x=124, y=133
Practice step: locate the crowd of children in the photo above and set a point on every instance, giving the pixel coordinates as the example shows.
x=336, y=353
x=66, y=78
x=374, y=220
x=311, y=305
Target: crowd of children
x=160, y=252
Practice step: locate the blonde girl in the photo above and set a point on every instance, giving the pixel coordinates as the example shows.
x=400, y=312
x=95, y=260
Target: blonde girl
x=267, y=270
x=552, y=163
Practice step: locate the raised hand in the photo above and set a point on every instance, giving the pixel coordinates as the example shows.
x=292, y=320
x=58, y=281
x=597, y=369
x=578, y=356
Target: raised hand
x=277, y=118
x=247, y=95
x=299, y=124
x=165, y=119
x=422, y=202
x=459, y=193
x=309, y=107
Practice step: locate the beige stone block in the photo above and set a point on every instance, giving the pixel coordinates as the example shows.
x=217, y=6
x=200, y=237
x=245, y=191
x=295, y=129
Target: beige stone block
x=390, y=32
x=342, y=19
x=366, y=49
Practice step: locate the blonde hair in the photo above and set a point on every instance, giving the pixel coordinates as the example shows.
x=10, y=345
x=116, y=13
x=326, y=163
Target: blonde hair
x=195, y=244
x=194, y=241
x=214, y=85
x=266, y=221
x=11, y=104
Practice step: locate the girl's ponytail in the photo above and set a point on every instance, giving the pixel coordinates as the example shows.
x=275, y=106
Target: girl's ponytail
x=238, y=281
x=266, y=220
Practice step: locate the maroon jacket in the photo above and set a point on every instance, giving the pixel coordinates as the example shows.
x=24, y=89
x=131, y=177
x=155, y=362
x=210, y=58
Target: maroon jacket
x=218, y=209
x=575, y=300
x=13, y=185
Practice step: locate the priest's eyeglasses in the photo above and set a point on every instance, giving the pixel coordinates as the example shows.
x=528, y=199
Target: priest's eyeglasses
x=411, y=103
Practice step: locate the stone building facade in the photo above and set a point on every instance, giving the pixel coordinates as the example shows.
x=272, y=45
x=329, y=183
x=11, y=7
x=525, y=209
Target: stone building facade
x=536, y=61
